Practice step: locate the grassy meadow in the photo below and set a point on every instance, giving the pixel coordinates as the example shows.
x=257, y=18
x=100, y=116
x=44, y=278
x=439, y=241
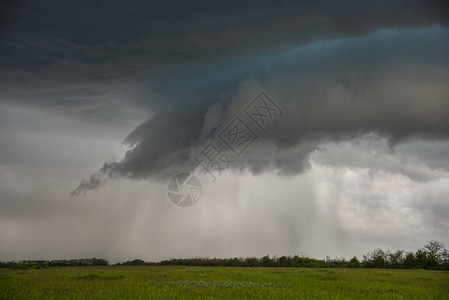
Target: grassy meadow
x=171, y=282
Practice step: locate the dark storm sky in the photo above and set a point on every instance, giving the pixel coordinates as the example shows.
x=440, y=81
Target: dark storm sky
x=360, y=157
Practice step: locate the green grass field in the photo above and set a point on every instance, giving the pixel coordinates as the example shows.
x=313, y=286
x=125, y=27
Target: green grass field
x=216, y=282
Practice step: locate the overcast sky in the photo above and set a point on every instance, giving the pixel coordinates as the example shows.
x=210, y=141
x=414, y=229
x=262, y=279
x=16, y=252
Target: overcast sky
x=102, y=102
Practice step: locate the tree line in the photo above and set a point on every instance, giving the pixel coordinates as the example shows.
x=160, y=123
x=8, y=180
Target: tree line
x=433, y=255
x=36, y=264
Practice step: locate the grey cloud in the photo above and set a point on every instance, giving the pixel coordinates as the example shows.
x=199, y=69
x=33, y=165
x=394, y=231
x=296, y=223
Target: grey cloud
x=365, y=113
x=157, y=148
x=159, y=45
x=326, y=97
x=372, y=153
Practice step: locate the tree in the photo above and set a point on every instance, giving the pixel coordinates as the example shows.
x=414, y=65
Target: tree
x=396, y=258
x=266, y=261
x=434, y=251
x=282, y=261
x=375, y=259
x=135, y=262
x=409, y=260
x=354, y=263
x=445, y=258
x=421, y=259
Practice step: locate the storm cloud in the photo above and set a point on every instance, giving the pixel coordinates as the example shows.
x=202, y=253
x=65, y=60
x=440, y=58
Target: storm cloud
x=391, y=83
x=126, y=95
